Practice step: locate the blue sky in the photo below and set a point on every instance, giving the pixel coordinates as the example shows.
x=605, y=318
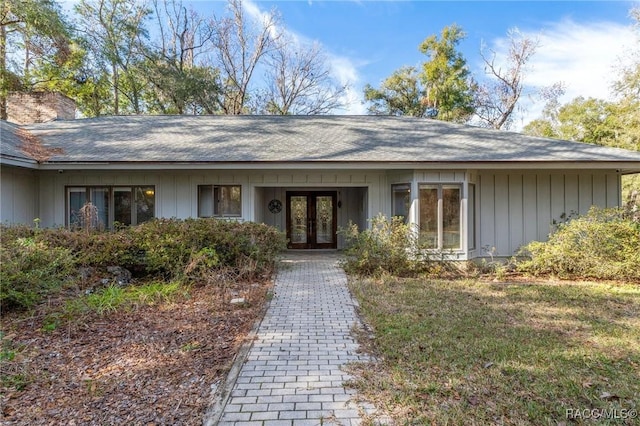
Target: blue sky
x=580, y=42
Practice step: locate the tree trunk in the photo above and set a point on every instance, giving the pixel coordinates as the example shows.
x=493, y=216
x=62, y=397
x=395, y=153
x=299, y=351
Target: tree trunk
x=3, y=73
x=116, y=95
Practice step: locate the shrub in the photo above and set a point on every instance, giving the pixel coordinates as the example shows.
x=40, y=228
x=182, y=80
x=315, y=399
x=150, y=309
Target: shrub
x=31, y=269
x=389, y=246
x=177, y=248
x=35, y=262
x=603, y=244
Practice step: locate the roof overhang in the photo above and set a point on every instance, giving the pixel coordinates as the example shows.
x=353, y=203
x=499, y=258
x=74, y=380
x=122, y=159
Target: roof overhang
x=622, y=167
x=6, y=160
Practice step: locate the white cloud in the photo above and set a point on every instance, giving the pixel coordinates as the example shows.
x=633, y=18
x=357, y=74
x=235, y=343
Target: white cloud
x=346, y=73
x=584, y=56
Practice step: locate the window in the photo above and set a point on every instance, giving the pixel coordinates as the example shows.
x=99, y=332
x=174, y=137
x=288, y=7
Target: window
x=440, y=216
x=129, y=205
x=219, y=201
x=401, y=199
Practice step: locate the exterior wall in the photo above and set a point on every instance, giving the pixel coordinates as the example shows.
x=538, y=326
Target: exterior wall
x=177, y=191
x=514, y=208
x=19, y=195
x=39, y=107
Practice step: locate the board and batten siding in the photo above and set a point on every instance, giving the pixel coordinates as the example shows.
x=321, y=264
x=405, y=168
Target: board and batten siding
x=177, y=191
x=19, y=195
x=516, y=208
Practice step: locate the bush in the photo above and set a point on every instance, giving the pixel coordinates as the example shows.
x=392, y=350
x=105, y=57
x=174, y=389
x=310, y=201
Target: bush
x=390, y=246
x=36, y=261
x=177, y=248
x=603, y=244
x=31, y=269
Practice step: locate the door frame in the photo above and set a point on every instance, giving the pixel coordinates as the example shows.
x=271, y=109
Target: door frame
x=311, y=221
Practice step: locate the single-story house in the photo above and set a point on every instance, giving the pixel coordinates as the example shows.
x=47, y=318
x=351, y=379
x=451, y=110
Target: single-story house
x=471, y=191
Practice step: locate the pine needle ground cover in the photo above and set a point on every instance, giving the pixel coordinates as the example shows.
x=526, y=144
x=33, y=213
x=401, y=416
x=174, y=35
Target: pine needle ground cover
x=523, y=353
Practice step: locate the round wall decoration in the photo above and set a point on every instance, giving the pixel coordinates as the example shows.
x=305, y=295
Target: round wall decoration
x=275, y=206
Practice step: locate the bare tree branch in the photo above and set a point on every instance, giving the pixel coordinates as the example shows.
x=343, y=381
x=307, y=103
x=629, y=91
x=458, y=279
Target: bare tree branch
x=497, y=99
x=299, y=81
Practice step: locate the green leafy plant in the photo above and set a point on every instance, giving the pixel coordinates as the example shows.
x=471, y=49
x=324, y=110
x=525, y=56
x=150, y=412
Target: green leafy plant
x=603, y=244
x=30, y=269
x=113, y=298
x=37, y=262
x=388, y=246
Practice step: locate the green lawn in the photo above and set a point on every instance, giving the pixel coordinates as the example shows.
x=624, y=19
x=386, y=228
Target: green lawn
x=472, y=352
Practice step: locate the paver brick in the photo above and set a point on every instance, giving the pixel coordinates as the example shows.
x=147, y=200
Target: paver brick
x=293, y=374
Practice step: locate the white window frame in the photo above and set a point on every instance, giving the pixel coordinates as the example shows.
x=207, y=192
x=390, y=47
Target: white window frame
x=210, y=202
x=440, y=186
x=88, y=191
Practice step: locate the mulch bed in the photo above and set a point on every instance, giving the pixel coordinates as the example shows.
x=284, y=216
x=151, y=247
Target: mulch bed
x=153, y=365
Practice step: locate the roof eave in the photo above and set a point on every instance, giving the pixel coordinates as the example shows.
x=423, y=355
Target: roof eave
x=18, y=162
x=623, y=167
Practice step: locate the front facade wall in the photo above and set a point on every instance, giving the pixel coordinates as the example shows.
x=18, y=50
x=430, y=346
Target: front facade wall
x=18, y=195
x=516, y=208
x=176, y=192
x=510, y=208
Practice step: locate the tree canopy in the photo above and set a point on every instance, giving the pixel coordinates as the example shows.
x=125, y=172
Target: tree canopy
x=442, y=88
x=109, y=61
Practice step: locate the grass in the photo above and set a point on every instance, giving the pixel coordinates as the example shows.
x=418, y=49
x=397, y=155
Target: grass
x=114, y=298
x=471, y=352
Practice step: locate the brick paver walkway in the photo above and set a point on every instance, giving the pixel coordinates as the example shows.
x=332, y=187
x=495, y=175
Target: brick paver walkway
x=293, y=372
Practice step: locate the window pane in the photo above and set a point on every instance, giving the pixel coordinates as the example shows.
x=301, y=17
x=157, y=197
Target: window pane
x=77, y=199
x=205, y=201
x=229, y=201
x=100, y=199
x=429, y=216
x=401, y=197
x=451, y=217
x=471, y=213
x=145, y=203
x=122, y=200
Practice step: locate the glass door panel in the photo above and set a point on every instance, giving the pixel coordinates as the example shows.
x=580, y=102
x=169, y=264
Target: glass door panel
x=299, y=209
x=324, y=219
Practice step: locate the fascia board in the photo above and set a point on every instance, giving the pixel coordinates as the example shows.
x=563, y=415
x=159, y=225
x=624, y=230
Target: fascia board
x=624, y=167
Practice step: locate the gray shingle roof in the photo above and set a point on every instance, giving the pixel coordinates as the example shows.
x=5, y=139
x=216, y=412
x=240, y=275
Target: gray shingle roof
x=301, y=139
x=11, y=142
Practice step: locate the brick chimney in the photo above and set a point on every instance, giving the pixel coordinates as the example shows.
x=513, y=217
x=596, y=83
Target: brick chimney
x=39, y=107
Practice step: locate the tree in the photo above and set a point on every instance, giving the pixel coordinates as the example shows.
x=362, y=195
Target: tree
x=496, y=99
x=582, y=120
x=400, y=94
x=442, y=88
x=178, y=83
x=34, y=31
x=115, y=32
x=626, y=89
x=240, y=44
x=610, y=123
x=299, y=81
x=449, y=88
